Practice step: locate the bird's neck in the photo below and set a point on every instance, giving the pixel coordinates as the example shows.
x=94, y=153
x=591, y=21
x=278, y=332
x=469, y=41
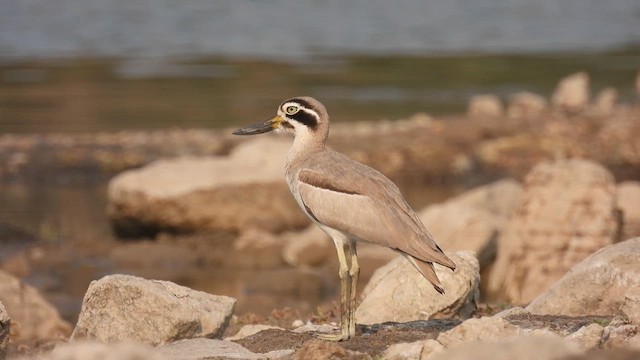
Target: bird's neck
x=305, y=143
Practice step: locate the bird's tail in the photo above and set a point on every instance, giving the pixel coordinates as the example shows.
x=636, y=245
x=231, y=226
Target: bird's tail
x=426, y=269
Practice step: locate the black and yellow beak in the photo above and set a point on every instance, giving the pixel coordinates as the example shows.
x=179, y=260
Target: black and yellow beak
x=261, y=127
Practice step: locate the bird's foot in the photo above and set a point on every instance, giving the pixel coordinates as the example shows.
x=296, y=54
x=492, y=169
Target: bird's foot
x=335, y=337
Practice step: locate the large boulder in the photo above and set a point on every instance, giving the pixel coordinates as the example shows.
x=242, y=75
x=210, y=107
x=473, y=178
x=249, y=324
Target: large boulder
x=572, y=93
x=398, y=292
x=5, y=326
x=244, y=189
x=120, y=308
x=596, y=286
x=628, y=198
x=567, y=212
x=33, y=317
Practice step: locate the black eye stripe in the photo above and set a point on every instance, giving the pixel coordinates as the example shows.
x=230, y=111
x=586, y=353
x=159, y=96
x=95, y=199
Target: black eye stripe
x=305, y=118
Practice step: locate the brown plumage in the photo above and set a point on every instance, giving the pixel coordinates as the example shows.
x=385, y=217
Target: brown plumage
x=350, y=201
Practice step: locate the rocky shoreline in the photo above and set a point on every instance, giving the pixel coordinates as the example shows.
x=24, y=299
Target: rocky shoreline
x=548, y=247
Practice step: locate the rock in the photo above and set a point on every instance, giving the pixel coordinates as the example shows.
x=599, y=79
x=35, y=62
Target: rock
x=249, y=330
x=631, y=306
x=398, y=292
x=32, y=316
x=321, y=350
x=595, y=286
x=618, y=336
x=547, y=347
x=499, y=198
x=485, y=106
x=459, y=227
x=243, y=190
x=413, y=351
x=258, y=249
x=628, y=199
x=310, y=247
x=572, y=93
x=127, y=308
x=567, y=212
x=605, y=101
x=479, y=329
x=99, y=351
x=587, y=337
x=316, y=328
x=526, y=105
x=5, y=327
x=201, y=349
x=514, y=311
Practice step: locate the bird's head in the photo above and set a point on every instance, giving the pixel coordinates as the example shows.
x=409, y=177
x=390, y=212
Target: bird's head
x=300, y=115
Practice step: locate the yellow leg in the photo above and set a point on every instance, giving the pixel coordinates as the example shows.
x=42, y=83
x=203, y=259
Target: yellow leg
x=345, y=295
x=354, y=272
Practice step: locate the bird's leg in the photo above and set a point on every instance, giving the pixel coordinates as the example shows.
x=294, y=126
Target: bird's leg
x=354, y=273
x=345, y=295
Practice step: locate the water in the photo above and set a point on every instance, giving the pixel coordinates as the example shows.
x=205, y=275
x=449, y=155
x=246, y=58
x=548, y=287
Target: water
x=85, y=95
x=286, y=29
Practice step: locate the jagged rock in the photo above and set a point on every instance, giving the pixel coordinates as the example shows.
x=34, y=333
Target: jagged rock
x=572, y=93
x=33, y=317
x=127, y=308
x=99, y=351
x=243, y=190
x=568, y=211
x=605, y=101
x=545, y=347
x=595, y=286
x=5, y=326
x=526, y=105
x=587, y=337
x=631, y=306
x=310, y=247
x=485, y=106
x=619, y=335
x=201, y=349
x=628, y=199
x=398, y=292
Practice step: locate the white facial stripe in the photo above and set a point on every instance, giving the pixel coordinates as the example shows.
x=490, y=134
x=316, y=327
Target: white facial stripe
x=283, y=113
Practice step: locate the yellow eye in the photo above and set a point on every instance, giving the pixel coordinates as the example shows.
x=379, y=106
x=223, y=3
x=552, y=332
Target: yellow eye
x=291, y=110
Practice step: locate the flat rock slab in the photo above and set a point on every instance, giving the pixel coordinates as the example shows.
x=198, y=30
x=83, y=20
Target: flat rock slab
x=595, y=286
x=398, y=292
x=120, y=308
x=243, y=190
